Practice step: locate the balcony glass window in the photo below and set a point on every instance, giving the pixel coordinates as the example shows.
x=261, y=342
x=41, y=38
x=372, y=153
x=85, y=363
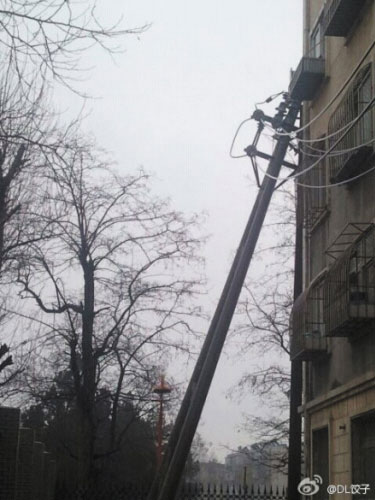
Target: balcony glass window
x=362, y=98
x=317, y=41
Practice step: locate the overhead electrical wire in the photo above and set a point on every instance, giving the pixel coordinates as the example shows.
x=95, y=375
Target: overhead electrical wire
x=234, y=140
x=329, y=153
x=325, y=155
x=304, y=127
x=311, y=141
x=340, y=152
x=334, y=184
x=297, y=139
x=269, y=99
x=323, y=138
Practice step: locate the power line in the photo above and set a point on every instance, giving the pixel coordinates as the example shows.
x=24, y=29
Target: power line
x=269, y=99
x=307, y=141
x=311, y=141
x=266, y=101
x=326, y=186
x=340, y=152
x=235, y=137
x=325, y=155
x=304, y=127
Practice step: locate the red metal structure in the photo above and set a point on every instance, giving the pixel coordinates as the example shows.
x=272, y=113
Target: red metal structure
x=161, y=390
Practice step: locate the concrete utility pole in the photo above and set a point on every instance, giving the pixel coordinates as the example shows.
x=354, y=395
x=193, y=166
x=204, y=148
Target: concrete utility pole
x=166, y=485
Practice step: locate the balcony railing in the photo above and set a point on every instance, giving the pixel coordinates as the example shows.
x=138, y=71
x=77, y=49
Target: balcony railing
x=340, y=15
x=349, y=291
x=307, y=339
x=307, y=78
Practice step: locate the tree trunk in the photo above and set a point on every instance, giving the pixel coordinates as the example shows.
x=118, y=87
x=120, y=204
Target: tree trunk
x=87, y=400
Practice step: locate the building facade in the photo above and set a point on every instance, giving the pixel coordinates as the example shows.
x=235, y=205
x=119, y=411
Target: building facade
x=333, y=319
x=260, y=464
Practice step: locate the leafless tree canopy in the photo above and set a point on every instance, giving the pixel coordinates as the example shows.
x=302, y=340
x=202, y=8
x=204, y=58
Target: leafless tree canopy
x=24, y=127
x=110, y=281
x=98, y=275
x=52, y=35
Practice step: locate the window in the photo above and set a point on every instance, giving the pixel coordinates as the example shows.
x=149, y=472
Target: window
x=362, y=271
x=317, y=41
x=315, y=310
x=348, y=164
x=362, y=98
x=320, y=460
x=363, y=452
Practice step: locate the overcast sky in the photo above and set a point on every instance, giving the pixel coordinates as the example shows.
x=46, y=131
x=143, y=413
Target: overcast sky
x=171, y=102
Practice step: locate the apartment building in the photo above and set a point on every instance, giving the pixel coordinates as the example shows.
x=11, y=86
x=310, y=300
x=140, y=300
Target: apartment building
x=259, y=464
x=333, y=319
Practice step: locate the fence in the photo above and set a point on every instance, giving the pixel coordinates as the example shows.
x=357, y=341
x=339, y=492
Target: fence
x=188, y=492
x=231, y=492
x=27, y=470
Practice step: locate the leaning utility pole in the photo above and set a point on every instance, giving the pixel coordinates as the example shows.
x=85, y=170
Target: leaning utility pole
x=166, y=484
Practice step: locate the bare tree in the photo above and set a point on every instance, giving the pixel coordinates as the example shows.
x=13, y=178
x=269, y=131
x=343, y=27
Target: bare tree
x=112, y=281
x=24, y=128
x=52, y=35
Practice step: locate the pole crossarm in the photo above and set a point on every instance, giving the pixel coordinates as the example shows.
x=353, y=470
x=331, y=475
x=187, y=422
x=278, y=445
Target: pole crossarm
x=252, y=151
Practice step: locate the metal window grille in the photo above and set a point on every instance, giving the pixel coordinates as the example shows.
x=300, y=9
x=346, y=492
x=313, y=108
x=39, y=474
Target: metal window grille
x=349, y=293
x=356, y=98
x=316, y=200
x=308, y=327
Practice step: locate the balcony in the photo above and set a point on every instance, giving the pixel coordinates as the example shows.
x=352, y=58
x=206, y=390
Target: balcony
x=307, y=340
x=307, y=78
x=340, y=15
x=349, y=291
